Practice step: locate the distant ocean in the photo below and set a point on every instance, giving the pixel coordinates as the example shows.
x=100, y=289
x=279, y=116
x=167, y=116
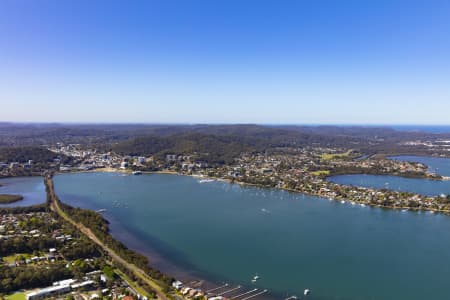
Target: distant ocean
x=423, y=128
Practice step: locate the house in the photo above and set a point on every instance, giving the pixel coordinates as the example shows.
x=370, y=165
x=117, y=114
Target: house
x=14, y=165
x=177, y=284
x=171, y=157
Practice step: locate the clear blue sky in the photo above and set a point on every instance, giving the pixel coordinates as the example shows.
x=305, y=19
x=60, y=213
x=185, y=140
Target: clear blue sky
x=338, y=62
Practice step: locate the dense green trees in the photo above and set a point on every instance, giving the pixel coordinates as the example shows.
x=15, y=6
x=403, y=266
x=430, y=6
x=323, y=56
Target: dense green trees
x=26, y=245
x=22, y=154
x=15, y=278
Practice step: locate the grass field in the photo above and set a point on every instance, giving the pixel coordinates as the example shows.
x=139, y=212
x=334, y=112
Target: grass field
x=330, y=156
x=321, y=173
x=14, y=257
x=16, y=296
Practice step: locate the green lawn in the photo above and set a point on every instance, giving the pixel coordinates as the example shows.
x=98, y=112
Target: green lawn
x=320, y=173
x=14, y=257
x=330, y=156
x=16, y=296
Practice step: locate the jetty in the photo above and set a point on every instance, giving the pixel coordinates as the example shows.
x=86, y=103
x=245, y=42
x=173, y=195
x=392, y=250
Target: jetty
x=244, y=294
x=255, y=295
x=229, y=291
x=217, y=288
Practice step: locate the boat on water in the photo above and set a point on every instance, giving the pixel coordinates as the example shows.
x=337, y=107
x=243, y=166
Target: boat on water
x=255, y=278
x=205, y=180
x=137, y=173
x=306, y=292
x=101, y=210
x=342, y=201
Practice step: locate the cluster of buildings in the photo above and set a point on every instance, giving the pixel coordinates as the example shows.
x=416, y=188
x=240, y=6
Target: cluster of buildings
x=434, y=146
x=92, y=285
x=306, y=170
x=63, y=287
x=299, y=169
x=7, y=169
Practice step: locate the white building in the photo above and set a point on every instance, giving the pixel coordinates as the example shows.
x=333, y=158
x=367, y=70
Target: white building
x=47, y=292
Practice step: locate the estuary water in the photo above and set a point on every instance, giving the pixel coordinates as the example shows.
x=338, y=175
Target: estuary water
x=31, y=188
x=227, y=232
x=422, y=186
x=437, y=165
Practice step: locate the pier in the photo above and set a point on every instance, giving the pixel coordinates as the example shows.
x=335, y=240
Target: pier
x=244, y=294
x=229, y=291
x=217, y=288
x=255, y=295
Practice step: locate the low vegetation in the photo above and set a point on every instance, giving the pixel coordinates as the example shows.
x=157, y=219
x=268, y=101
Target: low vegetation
x=7, y=198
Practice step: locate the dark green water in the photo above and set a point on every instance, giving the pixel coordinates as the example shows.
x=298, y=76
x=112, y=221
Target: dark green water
x=228, y=233
x=31, y=188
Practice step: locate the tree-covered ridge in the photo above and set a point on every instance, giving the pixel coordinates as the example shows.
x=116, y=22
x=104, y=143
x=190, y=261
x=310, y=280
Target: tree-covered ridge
x=24, y=154
x=210, y=148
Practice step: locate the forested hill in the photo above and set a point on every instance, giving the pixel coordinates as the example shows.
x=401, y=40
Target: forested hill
x=16, y=134
x=226, y=143
x=24, y=154
x=218, y=143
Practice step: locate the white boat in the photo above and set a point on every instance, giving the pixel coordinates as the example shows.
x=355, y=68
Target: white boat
x=136, y=173
x=306, y=292
x=342, y=201
x=205, y=180
x=363, y=205
x=255, y=278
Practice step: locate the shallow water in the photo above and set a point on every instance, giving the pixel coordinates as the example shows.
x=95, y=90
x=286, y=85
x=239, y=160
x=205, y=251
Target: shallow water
x=31, y=188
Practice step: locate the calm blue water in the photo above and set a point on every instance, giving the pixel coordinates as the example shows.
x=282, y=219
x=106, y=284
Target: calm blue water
x=414, y=185
x=31, y=188
x=228, y=232
x=437, y=165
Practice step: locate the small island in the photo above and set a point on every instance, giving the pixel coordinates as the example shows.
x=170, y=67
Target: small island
x=6, y=198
